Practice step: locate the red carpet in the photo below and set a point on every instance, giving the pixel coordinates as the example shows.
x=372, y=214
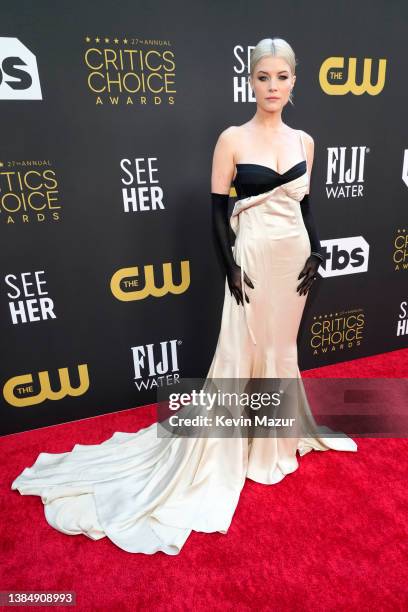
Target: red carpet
x=332, y=535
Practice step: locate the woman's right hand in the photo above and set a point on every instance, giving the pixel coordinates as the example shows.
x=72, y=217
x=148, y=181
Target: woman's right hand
x=234, y=283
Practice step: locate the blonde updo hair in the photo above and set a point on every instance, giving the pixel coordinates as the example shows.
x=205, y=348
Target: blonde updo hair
x=277, y=47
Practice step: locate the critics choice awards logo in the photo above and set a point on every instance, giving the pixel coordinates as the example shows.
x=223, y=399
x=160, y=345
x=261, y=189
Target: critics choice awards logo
x=126, y=70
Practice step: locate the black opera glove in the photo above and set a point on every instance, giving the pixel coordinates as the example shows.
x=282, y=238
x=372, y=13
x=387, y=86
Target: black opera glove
x=314, y=260
x=310, y=225
x=309, y=272
x=221, y=227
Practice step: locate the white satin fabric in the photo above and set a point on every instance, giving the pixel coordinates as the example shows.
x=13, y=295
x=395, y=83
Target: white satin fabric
x=147, y=493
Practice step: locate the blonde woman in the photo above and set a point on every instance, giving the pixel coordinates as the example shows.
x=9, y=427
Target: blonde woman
x=147, y=493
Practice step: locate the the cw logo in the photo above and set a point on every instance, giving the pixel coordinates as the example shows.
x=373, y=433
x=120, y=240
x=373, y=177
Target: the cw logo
x=150, y=287
x=333, y=67
x=45, y=387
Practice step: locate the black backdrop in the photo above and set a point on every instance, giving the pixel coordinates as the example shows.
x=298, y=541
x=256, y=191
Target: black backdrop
x=84, y=331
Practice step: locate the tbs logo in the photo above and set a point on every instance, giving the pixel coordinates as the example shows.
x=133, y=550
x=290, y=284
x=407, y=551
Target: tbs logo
x=19, y=79
x=344, y=256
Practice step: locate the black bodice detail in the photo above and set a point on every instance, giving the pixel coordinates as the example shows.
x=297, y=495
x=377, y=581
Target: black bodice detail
x=253, y=179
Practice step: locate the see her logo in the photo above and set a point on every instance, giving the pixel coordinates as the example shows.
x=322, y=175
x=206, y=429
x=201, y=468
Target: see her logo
x=19, y=78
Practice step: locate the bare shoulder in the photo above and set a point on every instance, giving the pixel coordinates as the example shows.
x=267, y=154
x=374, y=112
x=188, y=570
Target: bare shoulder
x=309, y=148
x=308, y=139
x=223, y=161
x=228, y=135
x=226, y=144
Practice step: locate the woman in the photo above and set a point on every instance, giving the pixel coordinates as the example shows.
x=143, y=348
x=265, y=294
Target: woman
x=147, y=493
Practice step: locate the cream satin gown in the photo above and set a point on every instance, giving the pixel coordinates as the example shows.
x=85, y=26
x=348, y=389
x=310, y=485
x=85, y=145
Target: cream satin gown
x=147, y=493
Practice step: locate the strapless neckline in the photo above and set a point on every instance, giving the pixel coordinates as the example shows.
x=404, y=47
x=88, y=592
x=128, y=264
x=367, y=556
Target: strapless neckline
x=299, y=164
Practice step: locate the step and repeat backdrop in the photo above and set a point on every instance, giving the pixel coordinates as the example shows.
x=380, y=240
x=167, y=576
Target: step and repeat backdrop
x=110, y=284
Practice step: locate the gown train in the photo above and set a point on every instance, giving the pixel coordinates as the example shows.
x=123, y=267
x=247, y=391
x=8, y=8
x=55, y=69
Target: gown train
x=147, y=493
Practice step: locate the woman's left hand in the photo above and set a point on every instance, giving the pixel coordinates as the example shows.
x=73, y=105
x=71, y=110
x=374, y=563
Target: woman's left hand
x=309, y=272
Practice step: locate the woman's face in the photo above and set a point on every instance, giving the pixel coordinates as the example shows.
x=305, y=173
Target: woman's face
x=272, y=82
